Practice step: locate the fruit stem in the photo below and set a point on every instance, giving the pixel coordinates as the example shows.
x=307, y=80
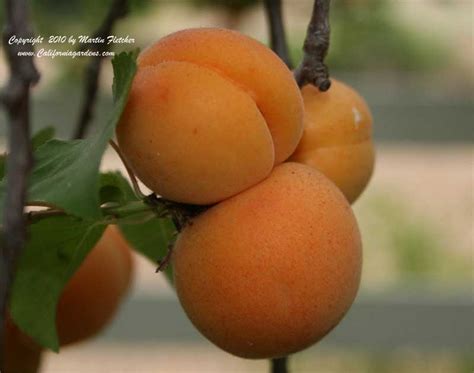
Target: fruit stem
x=136, y=187
x=126, y=210
x=312, y=69
x=180, y=213
x=279, y=365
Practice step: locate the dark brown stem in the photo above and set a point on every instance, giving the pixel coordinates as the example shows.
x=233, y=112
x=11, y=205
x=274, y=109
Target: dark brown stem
x=181, y=213
x=280, y=365
x=277, y=30
x=164, y=262
x=312, y=69
x=15, y=98
x=118, y=9
x=35, y=216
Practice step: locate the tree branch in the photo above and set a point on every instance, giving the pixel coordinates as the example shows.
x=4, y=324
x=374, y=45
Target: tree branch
x=312, y=69
x=15, y=98
x=277, y=30
x=118, y=9
x=280, y=365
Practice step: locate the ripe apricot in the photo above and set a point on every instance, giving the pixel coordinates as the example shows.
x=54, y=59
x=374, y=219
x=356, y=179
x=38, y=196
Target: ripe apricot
x=209, y=114
x=87, y=303
x=92, y=296
x=337, y=137
x=21, y=354
x=272, y=270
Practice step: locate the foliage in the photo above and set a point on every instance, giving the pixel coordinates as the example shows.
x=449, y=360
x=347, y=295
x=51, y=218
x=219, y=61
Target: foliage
x=56, y=248
x=66, y=176
x=37, y=140
x=75, y=164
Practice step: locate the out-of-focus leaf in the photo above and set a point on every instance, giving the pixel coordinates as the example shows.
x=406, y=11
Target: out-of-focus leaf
x=151, y=239
x=115, y=188
x=56, y=248
x=38, y=139
x=42, y=136
x=66, y=173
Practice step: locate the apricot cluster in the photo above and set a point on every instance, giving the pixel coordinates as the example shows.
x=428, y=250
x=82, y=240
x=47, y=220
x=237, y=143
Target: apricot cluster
x=210, y=113
x=87, y=304
x=212, y=118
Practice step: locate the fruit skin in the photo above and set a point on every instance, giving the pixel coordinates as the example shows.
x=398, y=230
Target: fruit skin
x=87, y=304
x=273, y=269
x=209, y=114
x=94, y=293
x=337, y=138
x=21, y=354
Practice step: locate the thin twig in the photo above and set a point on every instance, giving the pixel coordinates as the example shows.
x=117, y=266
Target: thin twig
x=15, y=98
x=312, y=69
x=164, y=262
x=39, y=204
x=35, y=216
x=118, y=9
x=279, y=365
x=277, y=30
x=131, y=175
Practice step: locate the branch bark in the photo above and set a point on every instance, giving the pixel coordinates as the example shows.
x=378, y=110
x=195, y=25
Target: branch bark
x=276, y=25
x=15, y=98
x=312, y=69
x=280, y=365
x=118, y=9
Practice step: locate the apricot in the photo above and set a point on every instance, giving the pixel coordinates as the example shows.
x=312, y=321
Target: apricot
x=272, y=270
x=93, y=295
x=337, y=137
x=209, y=114
x=87, y=304
x=21, y=354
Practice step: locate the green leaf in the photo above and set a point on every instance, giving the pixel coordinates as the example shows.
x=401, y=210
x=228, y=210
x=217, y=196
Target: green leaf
x=56, y=248
x=41, y=137
x=147, y=234
x=124, y=70
x=66, y=173
x=151, y=238
x=115, y=188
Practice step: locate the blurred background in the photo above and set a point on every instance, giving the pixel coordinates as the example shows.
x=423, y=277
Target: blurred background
x=413, y=61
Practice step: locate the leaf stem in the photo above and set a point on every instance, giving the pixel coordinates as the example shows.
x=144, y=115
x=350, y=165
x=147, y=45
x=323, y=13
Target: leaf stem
x=127, y=210
x=39, y=204
x=131, y=175
x=158, y=207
